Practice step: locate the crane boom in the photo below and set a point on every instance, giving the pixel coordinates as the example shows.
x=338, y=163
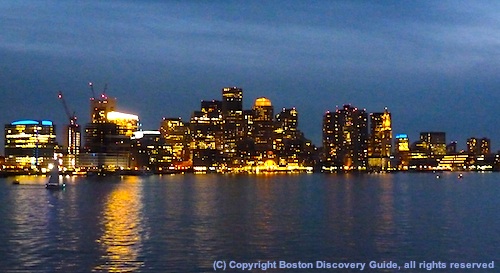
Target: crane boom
x=71, y=117
x=92, y=89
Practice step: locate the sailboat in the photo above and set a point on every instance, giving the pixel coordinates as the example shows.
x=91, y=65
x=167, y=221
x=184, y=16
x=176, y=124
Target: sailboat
x=53, y=183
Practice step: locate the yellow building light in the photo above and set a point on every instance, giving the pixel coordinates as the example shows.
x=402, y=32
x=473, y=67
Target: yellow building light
x=114, y=116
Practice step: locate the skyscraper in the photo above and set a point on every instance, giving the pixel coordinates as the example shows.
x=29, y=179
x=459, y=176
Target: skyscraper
x=380, y=144
x=233, y=127
x=176, y=136
x=380, y=141
x=345, y=138
x=232, y=100
x=108, y=136
x=263, y=125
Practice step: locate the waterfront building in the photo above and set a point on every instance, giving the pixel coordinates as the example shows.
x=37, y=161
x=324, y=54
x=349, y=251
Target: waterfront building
x=380, y=141
x=108, y=136
x=345, y=139
x=207, y=136
x=30, y=144
x=402, y=151
x=477, y=146
x=72, y=141
x=290, y=145
x=263, y=127
x=233, y=126
x=451, y=148
x=150, y=152
x=177, y=140
x=127, y=124
x=433, y=143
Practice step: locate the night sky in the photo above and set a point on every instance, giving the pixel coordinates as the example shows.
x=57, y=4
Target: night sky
x=434, y=64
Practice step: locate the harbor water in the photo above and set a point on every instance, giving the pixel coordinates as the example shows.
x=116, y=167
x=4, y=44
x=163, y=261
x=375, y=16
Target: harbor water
x=191, y=223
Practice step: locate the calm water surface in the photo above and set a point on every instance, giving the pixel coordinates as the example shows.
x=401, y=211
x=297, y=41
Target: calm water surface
x=183, y=223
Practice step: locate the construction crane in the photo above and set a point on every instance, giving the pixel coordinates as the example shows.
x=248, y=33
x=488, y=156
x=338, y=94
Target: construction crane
x=73, y=131
x=92, y=89
x=71, y=117
x=103, y=95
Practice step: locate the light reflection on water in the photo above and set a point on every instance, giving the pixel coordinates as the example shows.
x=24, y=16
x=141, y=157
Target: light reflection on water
x=184, y=223
x=122, y=229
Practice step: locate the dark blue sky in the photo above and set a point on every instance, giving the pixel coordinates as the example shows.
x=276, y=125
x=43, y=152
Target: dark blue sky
x=434, y=64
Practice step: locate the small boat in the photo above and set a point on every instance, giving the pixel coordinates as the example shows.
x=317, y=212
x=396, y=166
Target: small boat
x=16, y=182
x=53, y=183
x=460, y=176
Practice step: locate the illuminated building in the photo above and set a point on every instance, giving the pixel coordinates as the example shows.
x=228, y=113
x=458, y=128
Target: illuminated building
x=434, y=143
x=380, y=142
x=288, y=120
x=101, y=137
x=233, y=126
x=30, y=144
x=402, y=151
x=485, y=147
x=290, y=145
x=212, y=108
x=108, y=136
x=150, y=152
x=99, y=108
x=263, y=126
x=206, y=136
x=176, y=136
x=232, y=100
x=345, y=139
x=72, y=140
x=286, y=130
x=478, y=146
x=472, y=145
x=127, y=124
x=427, y=151
x=72, y=136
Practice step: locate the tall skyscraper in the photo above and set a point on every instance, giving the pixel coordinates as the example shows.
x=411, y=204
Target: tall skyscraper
x=206, y=136
x=380, y=141
x=176, y=135
x=233, y=123
x=232, y=100
x=263, y=126
x=72, y=140
x=108, y=136
x=345, y=138
x=380, y=144
x=30, y=144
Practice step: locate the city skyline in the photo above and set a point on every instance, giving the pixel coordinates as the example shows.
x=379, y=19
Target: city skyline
x=224, y=137
x=432, y=64
x=61, y=128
